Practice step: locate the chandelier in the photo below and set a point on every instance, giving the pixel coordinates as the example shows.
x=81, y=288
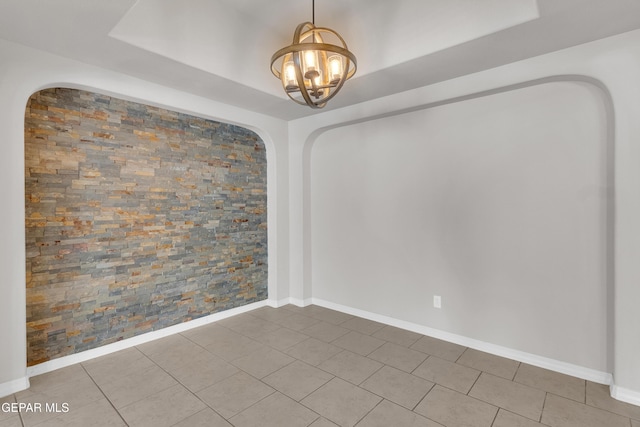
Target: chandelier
x=315, y=66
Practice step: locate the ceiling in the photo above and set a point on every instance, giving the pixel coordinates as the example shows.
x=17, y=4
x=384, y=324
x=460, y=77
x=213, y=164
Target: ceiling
x=221, y=49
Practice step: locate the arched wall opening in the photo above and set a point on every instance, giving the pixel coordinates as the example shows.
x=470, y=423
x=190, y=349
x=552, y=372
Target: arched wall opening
x=500, y=202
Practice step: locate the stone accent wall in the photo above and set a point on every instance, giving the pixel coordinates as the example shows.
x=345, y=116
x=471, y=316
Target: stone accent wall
x=137, y=218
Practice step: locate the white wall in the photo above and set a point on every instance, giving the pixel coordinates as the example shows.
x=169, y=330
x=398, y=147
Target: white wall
x=24, y=71
x=612, y=64
x=497, y=204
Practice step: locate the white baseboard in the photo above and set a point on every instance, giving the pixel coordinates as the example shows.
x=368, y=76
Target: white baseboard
x=14, y=386
x=65, y=361
x=625, y=395
x=521, y=356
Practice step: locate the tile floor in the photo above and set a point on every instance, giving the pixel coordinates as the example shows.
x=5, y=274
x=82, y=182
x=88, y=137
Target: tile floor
x=314, y=367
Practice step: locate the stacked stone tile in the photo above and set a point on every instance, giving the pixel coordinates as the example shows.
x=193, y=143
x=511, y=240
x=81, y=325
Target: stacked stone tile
x=137, y=218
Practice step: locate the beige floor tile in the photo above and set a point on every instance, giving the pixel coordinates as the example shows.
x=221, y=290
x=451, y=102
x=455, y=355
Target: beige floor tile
x=397, y=336
x=165, y=408
x=322, y=422
x=635, y=423
x=200, y=373
x=509, y=419
x=207, y=334
x=205, y=418
x=514, y=397
x=261, y=364
x=297, y=380
x=123, y=391
x=451, y=408
x=328, y=315
x=297, y=322
x=313, y=351
x=249, y=326
x=451, y=375
x=397, y=386
x=398, y=356
x=492, y=364
x=324, y=331
x=116, y=365
x=562, y=412
x=341, y=402
x=97, y=414
x=439, y=348
x=388, y=414
x=297, y=309
x=350, y=366
x=598, y=396
x=234, y=394
x=282, y=338
x=231, y=345
x=11, y=421
x=77, y=390
x=271, y=314
x=364, y=326
x=553, y=382
x=358, y=343
x=166, y=344
x=6, y=413
x=276, y=410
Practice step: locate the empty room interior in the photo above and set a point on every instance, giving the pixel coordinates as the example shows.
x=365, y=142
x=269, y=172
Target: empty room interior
x=320, y=213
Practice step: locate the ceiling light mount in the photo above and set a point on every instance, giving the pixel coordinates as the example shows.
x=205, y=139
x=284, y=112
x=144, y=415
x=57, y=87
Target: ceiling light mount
x=315, y=66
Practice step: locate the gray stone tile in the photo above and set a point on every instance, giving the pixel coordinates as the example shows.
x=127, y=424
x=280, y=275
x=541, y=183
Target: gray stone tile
x=553, y=382
x=451, y=375
x=563, y=412
x=350, y=366
x=451, y=408
x=205, y=418
x=358, y=343
x=160, y=346
x=281, y=339
x=276, y=410
x=341, y=402
x=397, y=336
x=598, y=395
x=324, y=331
x=364, y=326
x=165, y=408
x=439, y=348
x=261, y=364
x=234, y=394
x=514, y=397
x=313, y=351
x=492, y=364
x=297, y=380
x=509, y=419
x=5, y=415
x=635, y=423
x=397, y=386
x=388, y=414
x=398, y=356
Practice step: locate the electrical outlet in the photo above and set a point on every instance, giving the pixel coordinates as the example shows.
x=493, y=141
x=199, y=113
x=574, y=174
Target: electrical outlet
x=437, y=301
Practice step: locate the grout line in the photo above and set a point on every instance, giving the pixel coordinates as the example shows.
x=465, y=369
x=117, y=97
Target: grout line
x=105, y=396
